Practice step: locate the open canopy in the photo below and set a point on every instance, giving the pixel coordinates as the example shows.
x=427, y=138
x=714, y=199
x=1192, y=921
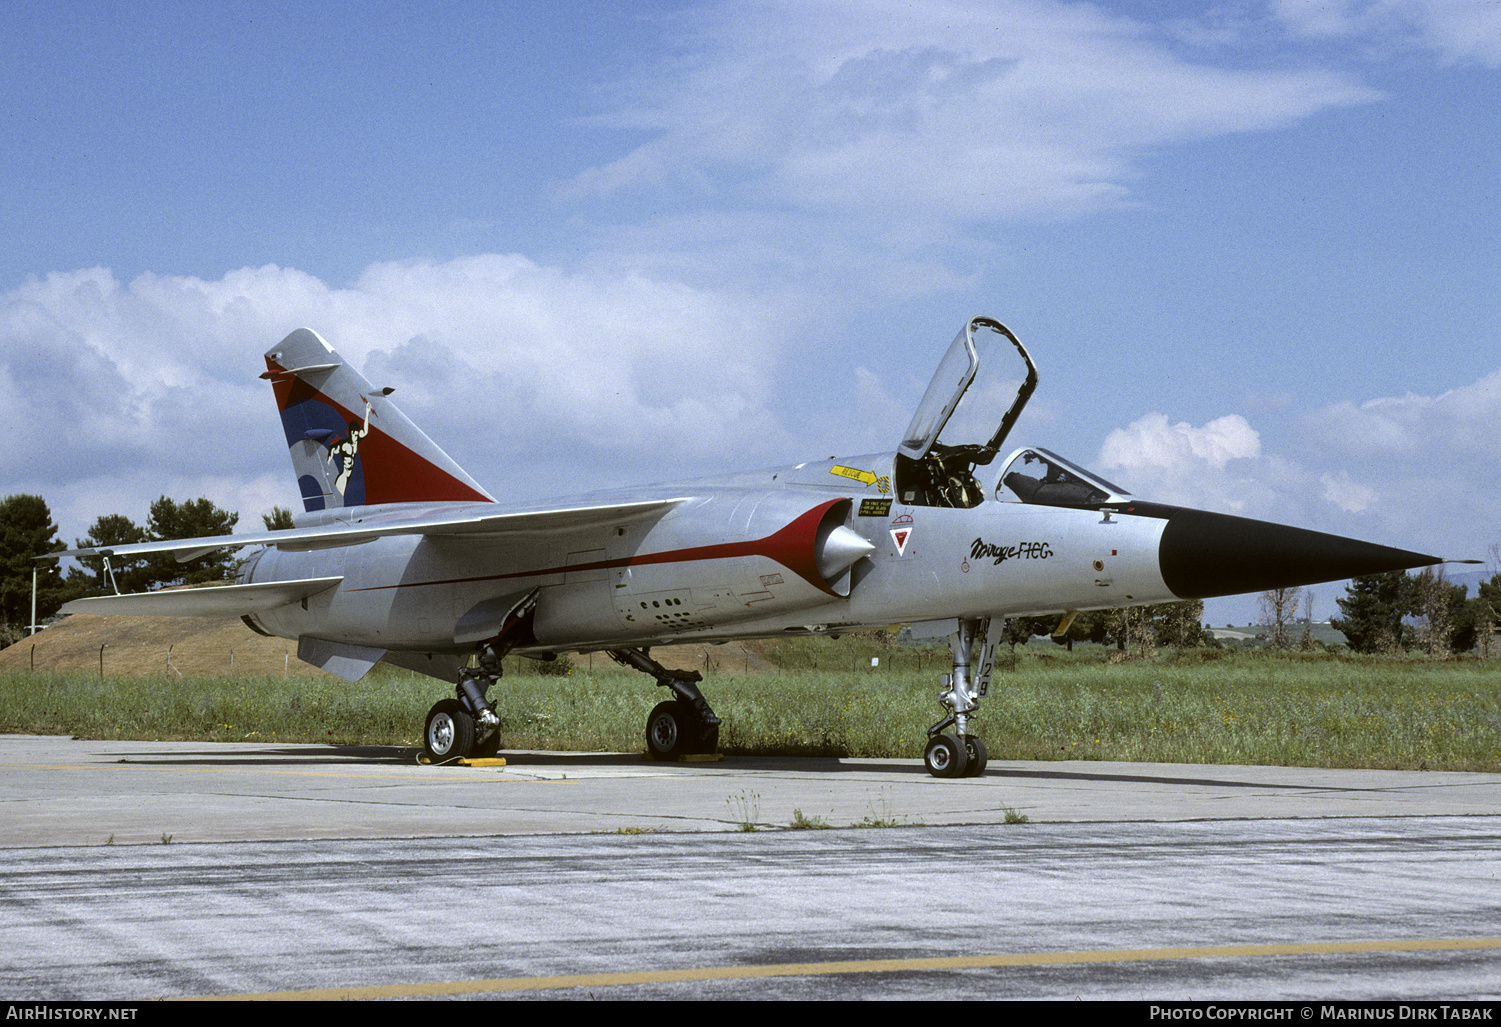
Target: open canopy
x=964, y=417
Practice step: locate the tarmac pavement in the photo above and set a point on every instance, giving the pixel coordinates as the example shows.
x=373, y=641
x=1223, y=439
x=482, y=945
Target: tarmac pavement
x=311, y=871
x=60, y=791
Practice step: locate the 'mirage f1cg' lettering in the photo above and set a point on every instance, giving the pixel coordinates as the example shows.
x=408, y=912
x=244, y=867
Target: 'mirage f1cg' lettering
x=399, y=555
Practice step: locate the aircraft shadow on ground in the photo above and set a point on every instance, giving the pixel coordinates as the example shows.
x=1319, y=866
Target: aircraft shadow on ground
x=302, y=755
x=396, y=755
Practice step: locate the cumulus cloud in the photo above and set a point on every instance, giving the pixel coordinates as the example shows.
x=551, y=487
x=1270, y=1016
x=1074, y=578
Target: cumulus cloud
x=1424, y=464
x=543, y=382
x=538, y=381
x=1413, y=471
x=1183, y=463
x=1151, y=442
x=609, y=363
x=1347, y=494
x=1458, y=422
x=946, y=112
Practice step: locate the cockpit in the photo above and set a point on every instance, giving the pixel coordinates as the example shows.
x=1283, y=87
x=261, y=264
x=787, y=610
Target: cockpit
x=1047, y=479
x=940, y=459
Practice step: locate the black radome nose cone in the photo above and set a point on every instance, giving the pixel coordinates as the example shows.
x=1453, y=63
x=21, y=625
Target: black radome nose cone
x=1209, y=554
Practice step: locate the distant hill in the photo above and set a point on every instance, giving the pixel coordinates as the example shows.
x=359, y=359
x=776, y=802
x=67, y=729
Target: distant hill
x=1472, y=580
x=1321, y=632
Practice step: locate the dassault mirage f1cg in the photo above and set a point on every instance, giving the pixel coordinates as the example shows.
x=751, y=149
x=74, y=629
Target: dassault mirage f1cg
x=401, y=556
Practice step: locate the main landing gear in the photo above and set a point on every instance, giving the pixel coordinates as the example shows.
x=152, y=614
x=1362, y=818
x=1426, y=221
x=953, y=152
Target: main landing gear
x=466, y=726
x=961, y=754
x=679, y=727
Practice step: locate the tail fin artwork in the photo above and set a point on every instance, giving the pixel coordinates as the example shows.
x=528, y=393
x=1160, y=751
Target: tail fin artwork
x=349, y=443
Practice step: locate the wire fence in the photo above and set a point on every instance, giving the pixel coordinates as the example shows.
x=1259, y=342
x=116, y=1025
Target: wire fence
x=278, y=658
x=732, y=660
x=148, y=659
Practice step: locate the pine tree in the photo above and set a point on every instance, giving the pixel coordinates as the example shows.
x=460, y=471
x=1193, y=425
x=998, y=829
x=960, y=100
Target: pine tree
x=129, y=574
x=1373, y=608
x=26, y=530
x=193, y=519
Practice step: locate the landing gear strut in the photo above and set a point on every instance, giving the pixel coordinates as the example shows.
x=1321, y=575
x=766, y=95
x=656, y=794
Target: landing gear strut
x=961, y=754
x=466, y=727
x=681, y=726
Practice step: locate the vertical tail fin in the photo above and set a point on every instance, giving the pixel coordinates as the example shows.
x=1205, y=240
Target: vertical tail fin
x=349, y=443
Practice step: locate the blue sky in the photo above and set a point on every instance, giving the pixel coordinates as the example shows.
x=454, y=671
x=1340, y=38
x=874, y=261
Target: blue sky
x=1251, y=246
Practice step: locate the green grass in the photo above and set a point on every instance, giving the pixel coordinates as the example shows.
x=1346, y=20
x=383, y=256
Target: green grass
x=745, y=806
x=802, y=822
x=1209, y=706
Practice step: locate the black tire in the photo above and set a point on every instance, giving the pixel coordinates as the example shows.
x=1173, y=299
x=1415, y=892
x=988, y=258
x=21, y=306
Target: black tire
x=946, y=756
x=484, y=750
x=978, y=757
x=671, y=730
x=449, y=732
x=708, y=739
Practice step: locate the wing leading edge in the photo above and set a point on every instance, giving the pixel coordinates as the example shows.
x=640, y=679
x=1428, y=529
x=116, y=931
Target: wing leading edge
x=448, y=525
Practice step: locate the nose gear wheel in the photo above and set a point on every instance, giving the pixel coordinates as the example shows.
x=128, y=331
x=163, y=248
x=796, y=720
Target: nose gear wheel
x=961, y=754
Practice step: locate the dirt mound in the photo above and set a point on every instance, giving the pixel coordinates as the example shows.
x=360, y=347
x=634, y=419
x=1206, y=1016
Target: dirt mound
x=135, y=646
x=732, y=659
x=214, y=647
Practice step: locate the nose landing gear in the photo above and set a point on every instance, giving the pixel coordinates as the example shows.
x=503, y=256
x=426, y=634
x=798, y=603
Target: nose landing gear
x=961, y=754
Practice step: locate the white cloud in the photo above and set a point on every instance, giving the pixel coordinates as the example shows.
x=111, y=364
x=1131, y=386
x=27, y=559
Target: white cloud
x=1460, y=422
x=1151, y=442
x=1418, y=472
x=543, y=382
x=609, y=364
x=1182, y=463
x=1347, y=494
x=1331, y=18
x=1425, y=465
x=946, y=112
x=538, y=381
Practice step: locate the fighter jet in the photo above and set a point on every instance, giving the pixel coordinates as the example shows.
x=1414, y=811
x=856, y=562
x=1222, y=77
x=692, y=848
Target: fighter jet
x=399, y=555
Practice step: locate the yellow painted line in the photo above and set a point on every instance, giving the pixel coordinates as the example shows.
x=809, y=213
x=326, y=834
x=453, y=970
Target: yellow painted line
x=861, y=966
x=235, y=770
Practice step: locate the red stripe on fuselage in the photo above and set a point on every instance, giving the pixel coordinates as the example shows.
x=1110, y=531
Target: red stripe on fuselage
x=794, y=547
